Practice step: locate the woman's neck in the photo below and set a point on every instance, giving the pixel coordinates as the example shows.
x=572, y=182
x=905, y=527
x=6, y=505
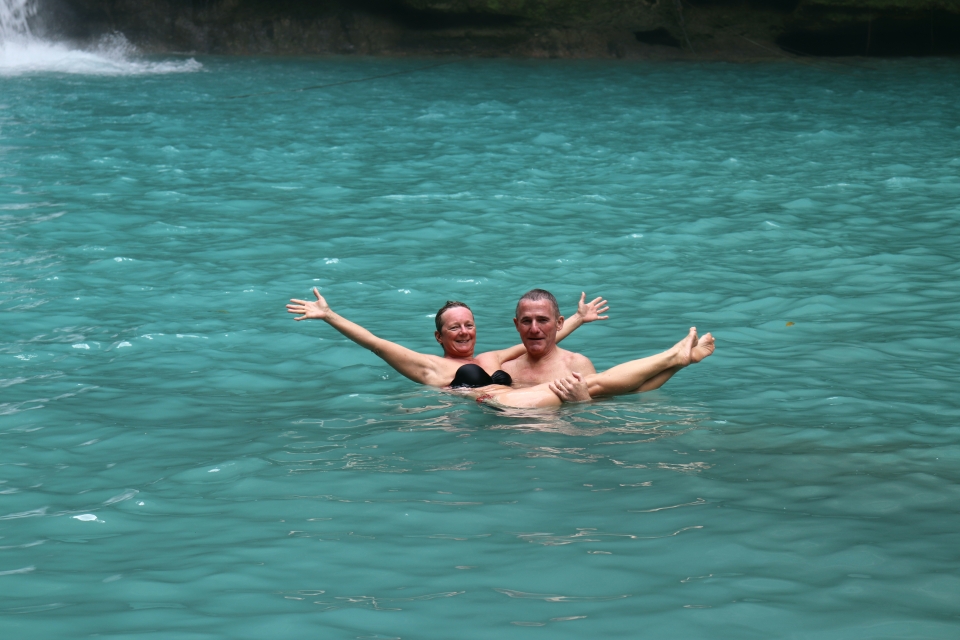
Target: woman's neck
x=464, y=359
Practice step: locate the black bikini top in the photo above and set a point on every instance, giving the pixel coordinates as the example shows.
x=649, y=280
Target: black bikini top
x=473, y=376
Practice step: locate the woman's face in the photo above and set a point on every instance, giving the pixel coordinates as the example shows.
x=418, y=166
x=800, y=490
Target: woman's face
x=458, y=334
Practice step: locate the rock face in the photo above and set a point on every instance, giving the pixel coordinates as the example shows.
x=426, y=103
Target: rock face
x=728, y=29
x=874, y=27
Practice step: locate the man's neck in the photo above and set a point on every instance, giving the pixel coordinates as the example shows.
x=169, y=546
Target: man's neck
x=546, y=357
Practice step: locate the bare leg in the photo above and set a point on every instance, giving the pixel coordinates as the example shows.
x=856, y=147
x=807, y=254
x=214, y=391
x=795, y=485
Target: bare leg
x=645, y=374
x=701, y=350
x=658, y=380
x=630, y=376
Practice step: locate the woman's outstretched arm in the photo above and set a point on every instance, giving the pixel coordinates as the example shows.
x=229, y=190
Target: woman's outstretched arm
x=419, y=367
x=586, y=312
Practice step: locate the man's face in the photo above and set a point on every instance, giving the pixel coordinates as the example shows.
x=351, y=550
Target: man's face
x=538, y=326
x=458, y=334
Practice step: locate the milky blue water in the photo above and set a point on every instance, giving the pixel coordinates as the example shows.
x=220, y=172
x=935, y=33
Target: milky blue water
x=179, y=459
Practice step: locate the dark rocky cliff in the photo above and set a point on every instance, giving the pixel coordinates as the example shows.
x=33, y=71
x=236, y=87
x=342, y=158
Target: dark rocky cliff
x=732, y=29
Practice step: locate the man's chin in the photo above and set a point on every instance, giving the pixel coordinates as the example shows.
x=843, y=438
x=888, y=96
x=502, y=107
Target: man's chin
x=536, y=347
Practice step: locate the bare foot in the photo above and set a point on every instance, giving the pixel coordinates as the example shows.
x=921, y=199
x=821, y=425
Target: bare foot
x=684, y=348
x=703, y=348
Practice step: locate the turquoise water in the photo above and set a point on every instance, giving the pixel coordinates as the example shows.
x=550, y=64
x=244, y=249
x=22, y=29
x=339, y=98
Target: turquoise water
x=179, y=459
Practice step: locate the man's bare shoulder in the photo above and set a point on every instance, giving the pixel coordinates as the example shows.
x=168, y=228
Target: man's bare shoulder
x=569, y=355
x=578, y=362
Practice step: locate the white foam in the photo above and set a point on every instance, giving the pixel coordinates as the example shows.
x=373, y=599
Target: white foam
x=22, y=57
x=23, y=52
x=14, y=571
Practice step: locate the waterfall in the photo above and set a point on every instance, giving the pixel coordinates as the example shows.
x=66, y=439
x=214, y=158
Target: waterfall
x=14, y=25
x=22, y=51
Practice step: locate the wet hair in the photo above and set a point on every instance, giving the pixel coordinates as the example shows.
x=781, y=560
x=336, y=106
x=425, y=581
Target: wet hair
x=450, y=305
x=538, y=294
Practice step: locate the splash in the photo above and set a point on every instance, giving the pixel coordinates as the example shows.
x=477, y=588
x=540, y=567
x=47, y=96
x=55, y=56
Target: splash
x=22, y=51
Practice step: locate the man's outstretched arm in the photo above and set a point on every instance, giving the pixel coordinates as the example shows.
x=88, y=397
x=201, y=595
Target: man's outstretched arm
x=419, y=367
x=586, y=312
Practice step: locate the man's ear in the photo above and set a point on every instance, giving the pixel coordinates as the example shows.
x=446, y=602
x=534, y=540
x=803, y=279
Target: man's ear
x=436, y=334
x=559, y=323
x=516, y=324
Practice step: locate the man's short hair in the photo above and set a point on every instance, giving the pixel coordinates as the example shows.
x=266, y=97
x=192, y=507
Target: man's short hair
x=538, y=294
x=450, y=305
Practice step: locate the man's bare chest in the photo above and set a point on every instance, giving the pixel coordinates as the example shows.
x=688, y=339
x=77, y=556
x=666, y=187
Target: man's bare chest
x=526, y=375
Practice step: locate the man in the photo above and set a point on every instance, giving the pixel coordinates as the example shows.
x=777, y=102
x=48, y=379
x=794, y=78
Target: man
x=538, y=320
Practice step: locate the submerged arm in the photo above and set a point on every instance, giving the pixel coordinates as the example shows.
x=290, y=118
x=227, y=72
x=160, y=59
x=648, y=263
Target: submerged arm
x=419, y=367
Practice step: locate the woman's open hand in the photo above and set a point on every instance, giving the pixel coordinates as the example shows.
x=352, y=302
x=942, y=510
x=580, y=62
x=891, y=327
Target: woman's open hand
x=316, y=310
x=590, y=311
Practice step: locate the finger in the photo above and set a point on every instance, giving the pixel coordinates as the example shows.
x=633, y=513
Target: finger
x=602, y=317
x=316, y=293
x=298, y=301
x=300, y=318
x=583, y=296
x=603, y=309
x=598, y=300
x=578, y=377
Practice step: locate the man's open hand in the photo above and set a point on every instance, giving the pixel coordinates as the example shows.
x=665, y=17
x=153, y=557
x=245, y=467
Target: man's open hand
x=316, y=310
x=573, y=388
x=590, y=311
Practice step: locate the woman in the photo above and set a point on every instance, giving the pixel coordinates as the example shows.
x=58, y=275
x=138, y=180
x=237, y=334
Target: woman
x=457, y=334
